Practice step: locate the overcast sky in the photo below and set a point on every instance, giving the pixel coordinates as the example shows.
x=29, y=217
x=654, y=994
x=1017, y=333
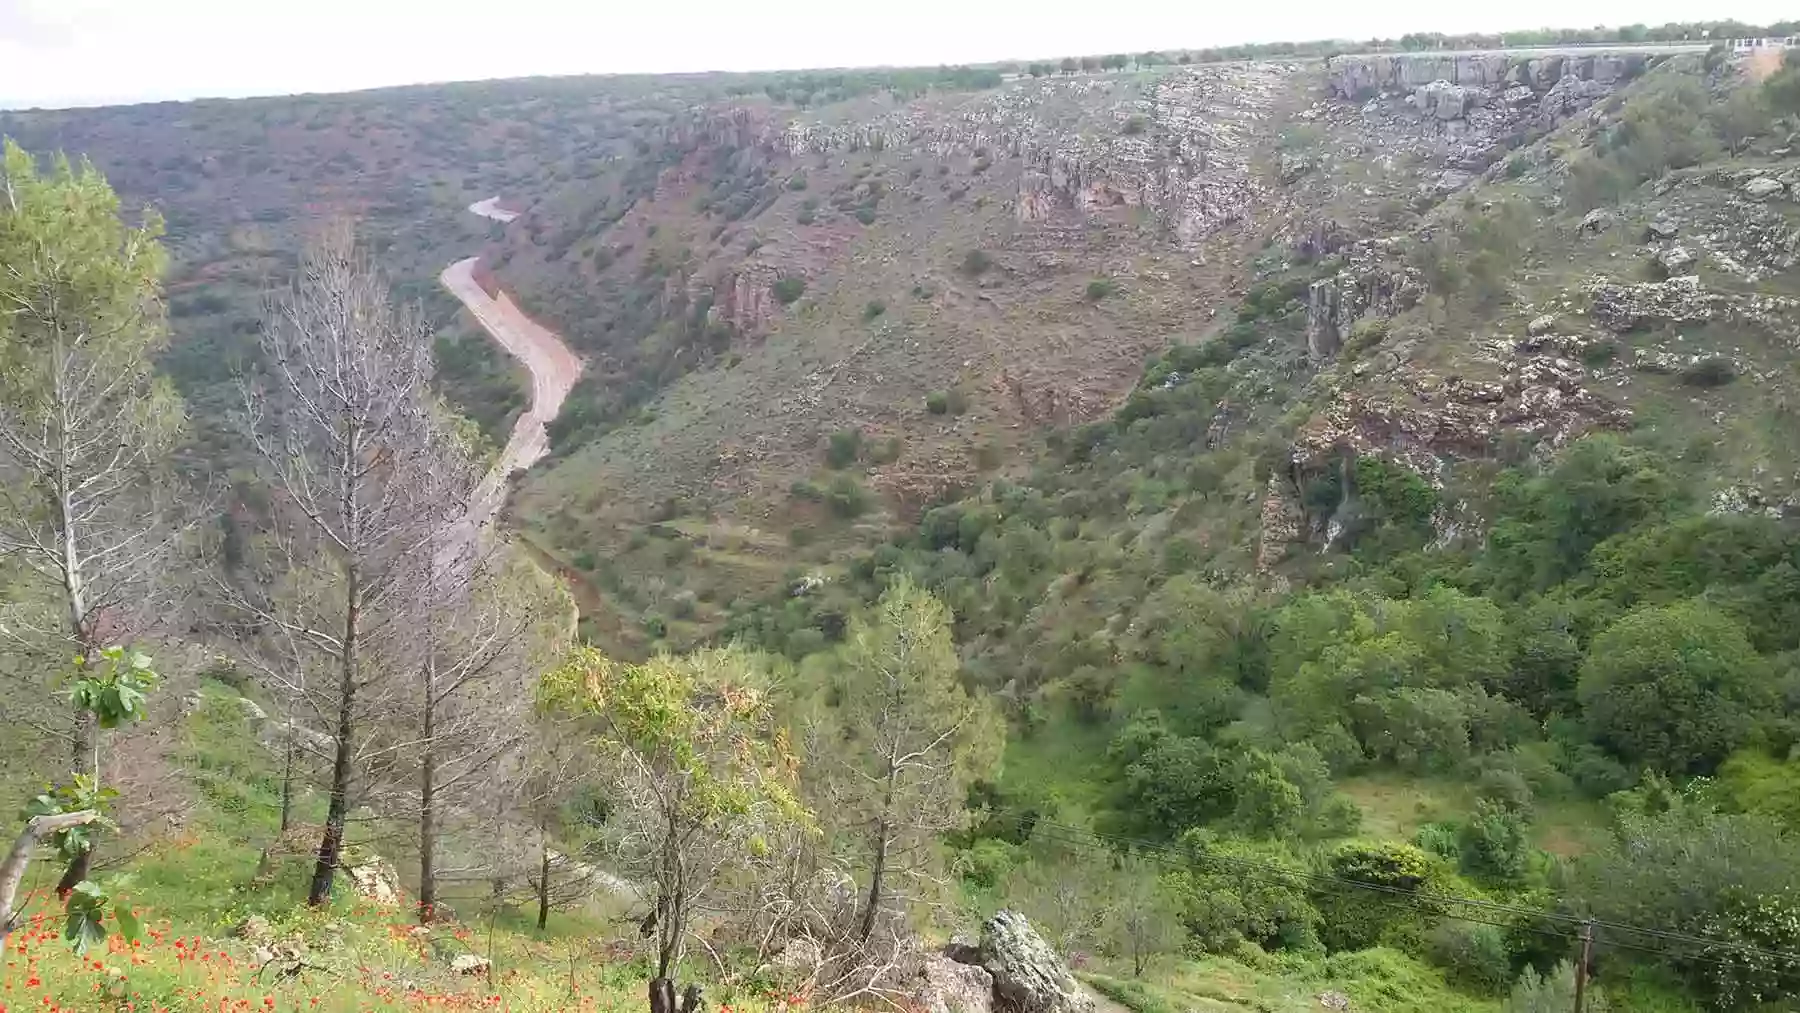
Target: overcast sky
x=84, y=52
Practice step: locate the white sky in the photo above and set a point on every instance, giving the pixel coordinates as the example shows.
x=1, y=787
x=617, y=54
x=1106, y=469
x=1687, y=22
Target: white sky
x=83, y=52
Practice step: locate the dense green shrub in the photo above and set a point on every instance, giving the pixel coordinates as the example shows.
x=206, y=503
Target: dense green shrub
x=846, y=497
x=1355, y=917
x=975, y=263
x=885, y=452
x=789, y=289
x=1473, y=955
x=1712, y=371
x=1100, y=288
x=1364, y=335
x=1492, y=845
x=1230, y=892
x=842, y=448
x=1440, y=839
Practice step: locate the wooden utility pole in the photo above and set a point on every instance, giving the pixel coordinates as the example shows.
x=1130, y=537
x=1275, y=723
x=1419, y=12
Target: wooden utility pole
x=1581, y=969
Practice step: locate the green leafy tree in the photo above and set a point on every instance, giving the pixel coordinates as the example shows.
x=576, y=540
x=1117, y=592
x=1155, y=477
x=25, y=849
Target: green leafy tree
x=1406, y=677
x=1750, y=964
x=907, y=741
x=1675, y=861
x=1600, y=487
x=86, y=424
x=701, y=778
x=1193, y=631
x=1676, y=687
x=1169, y=783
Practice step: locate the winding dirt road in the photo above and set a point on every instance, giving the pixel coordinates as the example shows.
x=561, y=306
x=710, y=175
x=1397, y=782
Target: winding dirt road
x=553, y=367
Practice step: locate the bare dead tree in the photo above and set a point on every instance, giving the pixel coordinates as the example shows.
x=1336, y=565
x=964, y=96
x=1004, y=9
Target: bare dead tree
x=342, y=421
x=473, y=685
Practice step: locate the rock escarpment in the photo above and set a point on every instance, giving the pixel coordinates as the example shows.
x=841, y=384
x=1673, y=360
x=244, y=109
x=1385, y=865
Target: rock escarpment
x=1373, y=283
x=1469, y=109
x=1462, y=77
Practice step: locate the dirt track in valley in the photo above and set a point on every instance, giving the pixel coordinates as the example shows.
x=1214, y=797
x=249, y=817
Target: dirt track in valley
x=553, y=366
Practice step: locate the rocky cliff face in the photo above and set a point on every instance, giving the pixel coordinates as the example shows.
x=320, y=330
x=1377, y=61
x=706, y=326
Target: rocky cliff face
x=1372, y=284
x=1468, y=110
x=1480, y=76
x=1179, y=148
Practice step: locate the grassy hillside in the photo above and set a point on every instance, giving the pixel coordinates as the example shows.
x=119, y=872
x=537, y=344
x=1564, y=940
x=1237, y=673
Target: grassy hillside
x=217, y=895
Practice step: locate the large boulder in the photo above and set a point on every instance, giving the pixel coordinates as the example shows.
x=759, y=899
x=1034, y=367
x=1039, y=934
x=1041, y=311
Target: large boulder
x=1028, y=975
x=1674, y=260
x=947, y=986
x=374, y=879
x=1762, y=188
x=1443, y=100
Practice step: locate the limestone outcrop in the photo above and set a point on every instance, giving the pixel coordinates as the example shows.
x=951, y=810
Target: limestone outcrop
x=1028, y=975
x=1371, y=284
x=1682, y=301
x=1359, y=78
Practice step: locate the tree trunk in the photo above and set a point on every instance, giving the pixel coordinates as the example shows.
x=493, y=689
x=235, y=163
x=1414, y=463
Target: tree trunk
x=543, y=884
x=287, y=777
x=671, y=902
x=83, y=742
x=331, y=844
x=878, y=864
x=877, y=872
x=428, y=800
x=662, y=995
